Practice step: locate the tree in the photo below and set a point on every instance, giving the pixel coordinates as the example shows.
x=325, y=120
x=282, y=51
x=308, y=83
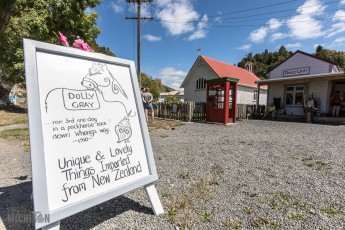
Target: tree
x=171, y=99
x=41, y=20
x=155, y=85
x=319, y=48
x=335, y=56
x=263, y=62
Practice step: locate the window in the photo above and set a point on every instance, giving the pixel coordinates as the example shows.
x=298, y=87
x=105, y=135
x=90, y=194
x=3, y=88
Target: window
x=255, y=95
x=216, y=97
x=200, y=83
x=294, y=95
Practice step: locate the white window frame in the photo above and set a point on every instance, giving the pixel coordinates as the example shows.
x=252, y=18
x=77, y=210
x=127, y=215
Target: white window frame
x=200, y=83
x=294, y=92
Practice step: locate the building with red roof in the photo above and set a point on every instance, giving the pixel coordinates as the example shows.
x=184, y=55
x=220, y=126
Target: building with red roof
x=205, y=68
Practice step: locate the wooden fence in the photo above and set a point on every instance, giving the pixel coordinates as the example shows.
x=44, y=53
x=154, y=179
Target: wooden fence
x=196, y=111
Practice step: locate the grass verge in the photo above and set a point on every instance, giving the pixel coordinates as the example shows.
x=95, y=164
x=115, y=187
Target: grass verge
x=163, y=124
x=17, y=134
x=10, y=118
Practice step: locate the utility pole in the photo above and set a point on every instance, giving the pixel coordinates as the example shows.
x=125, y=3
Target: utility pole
x=139, y=18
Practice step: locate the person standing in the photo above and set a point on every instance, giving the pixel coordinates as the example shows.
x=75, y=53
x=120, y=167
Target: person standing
x=147, y=100
x=335, y=103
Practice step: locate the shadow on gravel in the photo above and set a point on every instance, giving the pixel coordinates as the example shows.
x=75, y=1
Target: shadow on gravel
x=16, y=210
x=16, y=206
x=103, y=212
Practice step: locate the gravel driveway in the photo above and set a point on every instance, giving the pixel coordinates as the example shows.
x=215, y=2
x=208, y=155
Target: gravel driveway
x=256, y=174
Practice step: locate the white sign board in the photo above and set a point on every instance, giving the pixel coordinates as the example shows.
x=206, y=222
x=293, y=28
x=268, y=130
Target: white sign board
x=296, y=71
x=88, y=134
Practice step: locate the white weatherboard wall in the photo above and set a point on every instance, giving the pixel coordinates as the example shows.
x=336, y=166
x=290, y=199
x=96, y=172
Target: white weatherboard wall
x=300, y=60
x=245, y=94
x=276, y=91
x=201, y=70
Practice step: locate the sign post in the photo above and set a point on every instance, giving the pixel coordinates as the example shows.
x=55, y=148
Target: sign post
x=88, y=134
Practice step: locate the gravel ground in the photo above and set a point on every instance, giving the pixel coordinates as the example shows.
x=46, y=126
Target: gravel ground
x=256, y=174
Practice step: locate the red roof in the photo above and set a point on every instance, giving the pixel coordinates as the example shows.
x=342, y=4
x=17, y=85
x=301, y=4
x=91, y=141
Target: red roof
x=226, y=70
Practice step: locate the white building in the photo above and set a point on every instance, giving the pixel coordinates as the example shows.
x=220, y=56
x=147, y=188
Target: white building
x=176, y=93
x=302, y=76
x=205, y=68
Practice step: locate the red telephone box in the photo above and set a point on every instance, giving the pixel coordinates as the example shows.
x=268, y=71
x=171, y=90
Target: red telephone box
x=221, y=100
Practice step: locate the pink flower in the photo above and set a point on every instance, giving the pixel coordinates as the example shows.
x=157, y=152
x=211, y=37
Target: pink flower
x=79, y=43
x=63, y=39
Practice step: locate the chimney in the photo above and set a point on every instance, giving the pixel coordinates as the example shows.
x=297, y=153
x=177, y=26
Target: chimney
x=249, y=66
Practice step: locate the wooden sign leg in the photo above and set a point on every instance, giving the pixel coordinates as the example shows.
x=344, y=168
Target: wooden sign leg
x=52, y=226
x=154, y=199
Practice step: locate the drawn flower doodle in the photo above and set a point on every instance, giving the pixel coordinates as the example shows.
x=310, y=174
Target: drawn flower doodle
x=100, y=78
x=123, y=130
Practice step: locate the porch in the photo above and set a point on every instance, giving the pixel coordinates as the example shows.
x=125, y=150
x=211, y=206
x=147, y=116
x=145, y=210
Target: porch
x=301, y=118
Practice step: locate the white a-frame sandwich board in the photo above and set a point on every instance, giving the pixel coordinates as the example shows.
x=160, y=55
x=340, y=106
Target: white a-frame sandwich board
x=88, y=134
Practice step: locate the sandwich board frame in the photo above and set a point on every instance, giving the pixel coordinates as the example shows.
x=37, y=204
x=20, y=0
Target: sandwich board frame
x=36, y=55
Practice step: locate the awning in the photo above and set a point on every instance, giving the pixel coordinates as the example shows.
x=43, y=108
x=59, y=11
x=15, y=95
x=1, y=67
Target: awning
x=303, y=79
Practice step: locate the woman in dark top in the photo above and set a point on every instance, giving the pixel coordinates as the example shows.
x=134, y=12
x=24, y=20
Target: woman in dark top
x=335, y=103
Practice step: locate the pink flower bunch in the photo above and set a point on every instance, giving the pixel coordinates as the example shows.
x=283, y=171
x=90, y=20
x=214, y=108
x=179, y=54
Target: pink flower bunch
x=78, y=43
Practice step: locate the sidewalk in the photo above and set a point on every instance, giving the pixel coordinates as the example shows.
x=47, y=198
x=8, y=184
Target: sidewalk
x=16, y=126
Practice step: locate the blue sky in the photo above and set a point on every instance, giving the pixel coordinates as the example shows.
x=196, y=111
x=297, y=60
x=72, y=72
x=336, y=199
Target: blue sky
x=224, y=30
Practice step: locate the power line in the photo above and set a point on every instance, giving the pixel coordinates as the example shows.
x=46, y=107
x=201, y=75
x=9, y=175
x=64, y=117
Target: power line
x=292, y=22
x=248, y=16
x=239, y=21
x=256, y=8
x=285, y=16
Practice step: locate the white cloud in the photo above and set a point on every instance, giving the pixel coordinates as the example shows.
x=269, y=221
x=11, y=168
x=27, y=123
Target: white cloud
x=88, y=10
x=172, y=77
x=339, y=15
x=278, y=36
x=304, y=27
x=258, y=35
x=200, y=31
x=177, y=16
x=339, y=42
x=218, y=19
x=245, y=47
x=336, y=28
x=293, y=45
x=311, y=8
x=274, y=23
x=117, y=6
x=145, y=10
x=152, y=38
x=342, y=2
